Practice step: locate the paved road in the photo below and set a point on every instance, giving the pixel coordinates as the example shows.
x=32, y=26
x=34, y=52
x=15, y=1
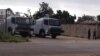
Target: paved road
x=61, y=46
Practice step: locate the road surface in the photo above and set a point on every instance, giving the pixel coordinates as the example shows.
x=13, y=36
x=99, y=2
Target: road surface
x=62, y=46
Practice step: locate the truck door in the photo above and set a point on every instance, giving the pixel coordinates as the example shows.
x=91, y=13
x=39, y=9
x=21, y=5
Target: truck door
x=46, y=25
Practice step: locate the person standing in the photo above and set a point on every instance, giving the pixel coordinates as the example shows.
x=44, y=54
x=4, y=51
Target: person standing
x=89, y=34
x=94, y=34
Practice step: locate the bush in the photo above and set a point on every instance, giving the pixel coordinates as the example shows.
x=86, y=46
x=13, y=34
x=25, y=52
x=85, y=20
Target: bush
x=10, y=38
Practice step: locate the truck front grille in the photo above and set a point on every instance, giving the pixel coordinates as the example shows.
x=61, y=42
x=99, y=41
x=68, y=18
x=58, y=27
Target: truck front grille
x=23, y=27
x=55, y=31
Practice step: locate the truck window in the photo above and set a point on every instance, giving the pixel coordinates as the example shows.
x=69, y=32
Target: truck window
x=21, y=20
x=54, y=22
x=46, y=22
x=13, y=20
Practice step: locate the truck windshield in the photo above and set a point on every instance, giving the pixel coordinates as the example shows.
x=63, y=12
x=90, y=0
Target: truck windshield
x=19, y=20
x=54, y=22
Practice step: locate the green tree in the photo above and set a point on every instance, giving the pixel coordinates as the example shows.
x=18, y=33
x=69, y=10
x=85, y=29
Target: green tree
x=43, y=10
x=71, y=19
x=58, y=15
x=98, y=17
x=65, y=17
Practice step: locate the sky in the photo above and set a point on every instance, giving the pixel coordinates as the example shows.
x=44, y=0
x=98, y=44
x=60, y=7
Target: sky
x=78, y=7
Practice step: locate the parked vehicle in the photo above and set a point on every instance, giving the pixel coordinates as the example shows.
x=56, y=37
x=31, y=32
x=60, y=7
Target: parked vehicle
x=19, y=25
x=47, y=26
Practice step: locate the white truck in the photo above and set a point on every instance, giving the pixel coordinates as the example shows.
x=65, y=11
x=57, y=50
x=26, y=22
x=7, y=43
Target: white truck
x=19, y=25
x=47, y=26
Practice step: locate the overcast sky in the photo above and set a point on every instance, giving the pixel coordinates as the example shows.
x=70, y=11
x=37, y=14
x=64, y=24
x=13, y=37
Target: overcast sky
x=78, y=7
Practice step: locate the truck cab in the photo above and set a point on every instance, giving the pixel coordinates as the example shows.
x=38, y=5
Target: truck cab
x=19, y=25
x=47, y=26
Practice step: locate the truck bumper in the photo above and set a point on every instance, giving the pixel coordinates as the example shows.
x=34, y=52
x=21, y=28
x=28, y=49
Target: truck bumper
x=56, y=31
x=26, y=30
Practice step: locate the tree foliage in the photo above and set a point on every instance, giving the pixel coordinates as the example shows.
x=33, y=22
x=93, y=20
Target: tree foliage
x=98, y=17
x=65, y=17
x=43, y=10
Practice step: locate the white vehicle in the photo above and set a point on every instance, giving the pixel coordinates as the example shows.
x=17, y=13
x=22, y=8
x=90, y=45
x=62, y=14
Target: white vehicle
x=47, y=26
x=21, y=25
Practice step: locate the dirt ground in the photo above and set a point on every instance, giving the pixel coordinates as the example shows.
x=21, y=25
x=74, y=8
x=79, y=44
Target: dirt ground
x=83, y=42
x=62, y=46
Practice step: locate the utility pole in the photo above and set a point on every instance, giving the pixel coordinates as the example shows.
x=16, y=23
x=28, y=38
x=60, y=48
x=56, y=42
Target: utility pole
x=6, y=21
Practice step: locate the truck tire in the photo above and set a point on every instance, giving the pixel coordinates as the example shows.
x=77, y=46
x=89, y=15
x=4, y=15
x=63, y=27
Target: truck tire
x=37, y=35
x=42, y=34
x=53, y=36
x=23, y=34
x=31, y=34
x=10, y=30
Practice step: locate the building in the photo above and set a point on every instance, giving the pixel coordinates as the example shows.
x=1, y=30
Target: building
x=4, y=13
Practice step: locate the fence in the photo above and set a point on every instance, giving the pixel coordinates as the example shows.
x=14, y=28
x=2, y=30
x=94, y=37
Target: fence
x=80, y=30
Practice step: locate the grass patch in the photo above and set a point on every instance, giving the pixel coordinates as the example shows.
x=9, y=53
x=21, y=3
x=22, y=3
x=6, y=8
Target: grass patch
x=10, y=38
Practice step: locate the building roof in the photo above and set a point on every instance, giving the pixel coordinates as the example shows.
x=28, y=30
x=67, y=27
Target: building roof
x=90, y=22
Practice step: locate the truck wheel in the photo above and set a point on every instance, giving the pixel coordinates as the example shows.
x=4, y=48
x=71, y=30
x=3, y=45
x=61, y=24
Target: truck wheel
x=30, y=35
x=10, y=31
x=53, y=36
x=37, y=35
x=42, y=34
x=23, y=34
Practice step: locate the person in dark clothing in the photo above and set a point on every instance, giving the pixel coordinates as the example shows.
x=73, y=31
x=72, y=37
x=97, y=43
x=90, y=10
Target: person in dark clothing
x=89, y=34
x=94, y=34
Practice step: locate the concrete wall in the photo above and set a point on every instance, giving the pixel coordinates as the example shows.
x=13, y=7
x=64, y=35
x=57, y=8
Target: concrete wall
x=80, y=30
x=98, y=31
